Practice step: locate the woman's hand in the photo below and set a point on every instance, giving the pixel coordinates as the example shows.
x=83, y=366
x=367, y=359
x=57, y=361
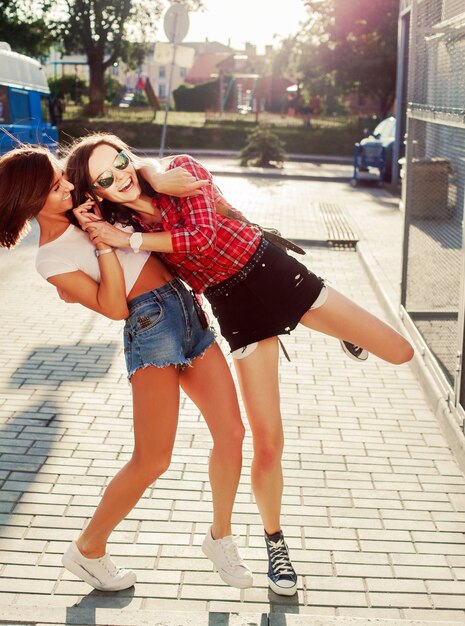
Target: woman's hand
x=87, y=214
x=101, y=232
x=176, y=182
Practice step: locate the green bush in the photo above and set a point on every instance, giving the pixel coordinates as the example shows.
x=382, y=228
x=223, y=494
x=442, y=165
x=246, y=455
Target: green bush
x=262, y=148
x=148, y=135
x=114, y=90
x=68, y=86
x=332, y=140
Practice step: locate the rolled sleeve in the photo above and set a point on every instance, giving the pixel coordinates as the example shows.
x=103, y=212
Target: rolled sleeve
x=195, y=230
x=198, y=171
x=201, y=173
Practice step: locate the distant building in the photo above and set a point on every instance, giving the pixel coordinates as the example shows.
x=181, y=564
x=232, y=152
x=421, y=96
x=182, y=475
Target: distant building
x=245, y=71
x=208, y=47
x=157, y=67
x=195, y=63
x=205, y=67
x=57, y=64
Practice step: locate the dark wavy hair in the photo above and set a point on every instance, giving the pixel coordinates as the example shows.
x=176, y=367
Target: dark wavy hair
x=26, y=178
x=77, y=171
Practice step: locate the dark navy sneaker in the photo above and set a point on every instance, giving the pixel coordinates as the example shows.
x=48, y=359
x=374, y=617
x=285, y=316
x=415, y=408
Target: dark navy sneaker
x=355, y=352
x=281, y=575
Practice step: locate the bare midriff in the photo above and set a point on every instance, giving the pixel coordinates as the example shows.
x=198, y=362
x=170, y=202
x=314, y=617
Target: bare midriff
x=154, y=274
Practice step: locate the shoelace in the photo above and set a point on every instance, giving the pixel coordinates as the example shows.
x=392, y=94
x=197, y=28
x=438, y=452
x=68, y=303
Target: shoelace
x=110, y=567
x=279, y=557
x=352, y=347
x=231, y=551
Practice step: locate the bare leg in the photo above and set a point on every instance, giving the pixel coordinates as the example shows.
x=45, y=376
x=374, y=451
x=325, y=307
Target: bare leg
x=342, y=318
x=155, y=405
x=258, y=379
x=210, y=386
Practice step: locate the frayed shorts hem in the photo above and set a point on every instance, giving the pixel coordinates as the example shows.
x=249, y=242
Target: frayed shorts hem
x=182, y=364
x=245, y=351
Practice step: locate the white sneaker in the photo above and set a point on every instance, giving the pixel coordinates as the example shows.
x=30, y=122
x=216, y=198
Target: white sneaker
x=100, y=573
x=225, y=556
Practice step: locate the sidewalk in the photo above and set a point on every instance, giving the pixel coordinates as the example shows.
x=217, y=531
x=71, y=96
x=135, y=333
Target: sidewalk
x=374, y=501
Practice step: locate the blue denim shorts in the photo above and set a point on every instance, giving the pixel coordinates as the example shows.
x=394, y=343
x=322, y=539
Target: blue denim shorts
x=164, y=329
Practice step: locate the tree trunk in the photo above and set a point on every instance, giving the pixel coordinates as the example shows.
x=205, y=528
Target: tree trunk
x=96, y=86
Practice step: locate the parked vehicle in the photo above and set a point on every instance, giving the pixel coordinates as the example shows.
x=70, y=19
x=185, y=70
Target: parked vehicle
x=375, y=151
x=127, y=99
x=25, y=104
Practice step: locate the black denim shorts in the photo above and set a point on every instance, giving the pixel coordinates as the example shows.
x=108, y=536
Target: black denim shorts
x=268, y=297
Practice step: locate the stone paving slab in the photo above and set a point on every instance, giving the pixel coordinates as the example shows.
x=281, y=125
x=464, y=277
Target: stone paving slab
x=374, y=501
x=36, y=616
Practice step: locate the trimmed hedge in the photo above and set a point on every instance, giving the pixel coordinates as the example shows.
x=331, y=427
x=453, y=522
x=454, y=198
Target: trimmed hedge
x=201, y=97
x=298, y=140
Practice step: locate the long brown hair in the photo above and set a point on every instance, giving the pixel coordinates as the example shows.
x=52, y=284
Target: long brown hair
x=77, y=172
x=26, y=177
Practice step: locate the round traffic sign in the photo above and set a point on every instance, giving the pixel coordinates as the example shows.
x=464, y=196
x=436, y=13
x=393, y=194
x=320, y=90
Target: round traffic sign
x=176, y=23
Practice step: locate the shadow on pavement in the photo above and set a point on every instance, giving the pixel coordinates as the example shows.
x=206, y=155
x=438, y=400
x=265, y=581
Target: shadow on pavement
x=51, y=366
x=84, y=611
x=223, y=619
x=29, y=436
x=283, y=604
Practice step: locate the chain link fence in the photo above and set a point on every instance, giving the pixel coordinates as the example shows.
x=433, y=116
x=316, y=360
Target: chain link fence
x=433, y=186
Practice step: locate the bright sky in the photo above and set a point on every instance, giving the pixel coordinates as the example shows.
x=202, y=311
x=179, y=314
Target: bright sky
x=255, y=21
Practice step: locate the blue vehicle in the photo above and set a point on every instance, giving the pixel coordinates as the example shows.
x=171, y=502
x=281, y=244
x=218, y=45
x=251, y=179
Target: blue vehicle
x=375, y=152
x=25, y=104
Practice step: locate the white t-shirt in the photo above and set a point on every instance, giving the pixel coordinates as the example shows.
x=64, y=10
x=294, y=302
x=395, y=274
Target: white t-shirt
x=73, y=251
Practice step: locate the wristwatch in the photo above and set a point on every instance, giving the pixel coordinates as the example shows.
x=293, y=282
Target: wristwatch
x=105, y=251
x=135, y=241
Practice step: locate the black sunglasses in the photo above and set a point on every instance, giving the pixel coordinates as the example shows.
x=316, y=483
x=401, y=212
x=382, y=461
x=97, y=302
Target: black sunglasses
x=107, y=178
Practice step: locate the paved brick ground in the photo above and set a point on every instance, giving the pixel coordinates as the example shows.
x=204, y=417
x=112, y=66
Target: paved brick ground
x=374, y=504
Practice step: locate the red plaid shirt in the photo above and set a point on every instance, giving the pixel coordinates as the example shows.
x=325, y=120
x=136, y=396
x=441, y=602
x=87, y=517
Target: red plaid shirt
x=208, y=247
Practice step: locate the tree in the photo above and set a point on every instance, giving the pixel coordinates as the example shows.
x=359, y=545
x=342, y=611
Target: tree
x=67, y=85
x=357, y=41
x=25, y=32
x=97, y=28
x=102, y=30
x=263, y=148
x=285, y=60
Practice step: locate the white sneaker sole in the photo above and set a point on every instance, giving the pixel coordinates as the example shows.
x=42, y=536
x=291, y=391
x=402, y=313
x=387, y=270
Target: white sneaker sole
x=239, y=583
x=282, y=591
x=87, y=577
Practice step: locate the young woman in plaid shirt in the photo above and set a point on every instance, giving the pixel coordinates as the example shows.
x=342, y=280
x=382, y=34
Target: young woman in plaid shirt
x=256, y=291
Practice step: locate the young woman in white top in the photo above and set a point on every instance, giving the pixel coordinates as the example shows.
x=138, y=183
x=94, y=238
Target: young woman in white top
x=167, y=345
